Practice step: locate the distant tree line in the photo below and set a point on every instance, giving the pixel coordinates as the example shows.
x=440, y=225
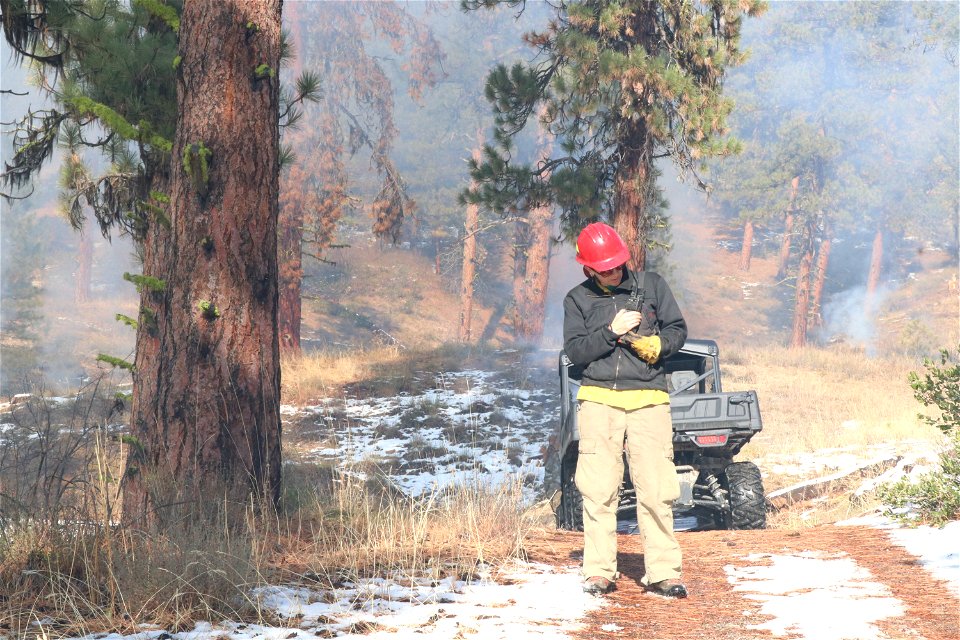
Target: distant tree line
x=848, y=117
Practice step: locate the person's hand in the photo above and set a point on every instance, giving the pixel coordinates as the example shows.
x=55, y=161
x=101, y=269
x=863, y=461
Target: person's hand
x=647, y=348
x=624, y=321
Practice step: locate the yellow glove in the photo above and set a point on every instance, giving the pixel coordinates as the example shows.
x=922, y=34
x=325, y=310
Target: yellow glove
x=647, y=348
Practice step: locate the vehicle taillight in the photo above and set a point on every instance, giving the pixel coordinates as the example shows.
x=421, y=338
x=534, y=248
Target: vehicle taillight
x=711, y=441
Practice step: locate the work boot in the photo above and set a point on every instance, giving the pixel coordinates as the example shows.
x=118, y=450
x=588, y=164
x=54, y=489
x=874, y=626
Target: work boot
x=598, y=585
x=668, y=588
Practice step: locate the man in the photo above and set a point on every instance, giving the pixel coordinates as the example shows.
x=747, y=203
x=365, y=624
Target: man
x=620, y=325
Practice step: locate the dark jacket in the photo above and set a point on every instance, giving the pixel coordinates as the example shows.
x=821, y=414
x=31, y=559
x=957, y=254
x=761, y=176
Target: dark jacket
x=589, y=341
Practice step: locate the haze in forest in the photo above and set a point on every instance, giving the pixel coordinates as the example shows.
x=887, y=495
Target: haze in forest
x=879, y=114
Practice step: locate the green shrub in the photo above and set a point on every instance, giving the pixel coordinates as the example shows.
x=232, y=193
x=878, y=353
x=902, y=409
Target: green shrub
x=940, y=387
x=934, y=498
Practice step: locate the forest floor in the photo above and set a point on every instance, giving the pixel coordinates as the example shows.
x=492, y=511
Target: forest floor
x=812, y=600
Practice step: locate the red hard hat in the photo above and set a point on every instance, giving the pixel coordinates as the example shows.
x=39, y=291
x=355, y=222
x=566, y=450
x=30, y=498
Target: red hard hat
x=600, y=247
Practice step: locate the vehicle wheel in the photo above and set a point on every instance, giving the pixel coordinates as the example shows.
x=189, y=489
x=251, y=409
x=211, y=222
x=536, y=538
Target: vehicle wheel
x=570, y=511
x=748, y=508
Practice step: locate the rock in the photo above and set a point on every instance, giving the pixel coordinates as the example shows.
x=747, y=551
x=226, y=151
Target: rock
x=542, y=514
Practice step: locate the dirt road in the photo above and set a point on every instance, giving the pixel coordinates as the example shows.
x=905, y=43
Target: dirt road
x=715, y=611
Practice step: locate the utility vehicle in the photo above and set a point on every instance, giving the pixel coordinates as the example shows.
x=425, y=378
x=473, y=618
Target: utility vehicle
x=710, y=427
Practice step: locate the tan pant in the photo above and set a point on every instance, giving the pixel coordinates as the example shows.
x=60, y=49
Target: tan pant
x=649, y=439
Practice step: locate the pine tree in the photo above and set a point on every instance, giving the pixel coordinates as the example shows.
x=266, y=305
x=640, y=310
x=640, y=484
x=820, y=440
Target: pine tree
x=531, y=268
x=102, y=62
x=206, y=403
x=187, y=107
x=468, y=271
x=623, y=83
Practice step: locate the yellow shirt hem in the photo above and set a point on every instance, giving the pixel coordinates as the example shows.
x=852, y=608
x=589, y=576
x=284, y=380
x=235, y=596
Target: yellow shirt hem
x=627, y=400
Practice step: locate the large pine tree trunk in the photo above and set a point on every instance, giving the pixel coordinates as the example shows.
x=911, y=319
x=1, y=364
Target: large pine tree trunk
x=788, y=229
x=820, y=277
x=206, y=396
x=631, y=189
x=634, y=173
x=801, y=307
x=876, y=261
x=531, y=274
x=747, y=248
x=84, y=267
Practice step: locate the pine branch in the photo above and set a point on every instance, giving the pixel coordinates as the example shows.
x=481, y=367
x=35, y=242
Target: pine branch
x=115, y=362
x=164, y=12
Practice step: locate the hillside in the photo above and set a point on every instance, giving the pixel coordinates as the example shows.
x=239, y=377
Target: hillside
x=373, y=294
x=373, y=287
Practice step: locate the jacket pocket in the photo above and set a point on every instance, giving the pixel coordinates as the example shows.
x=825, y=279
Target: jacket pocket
x=600, y=314
x=670, y=483
x=588, y=442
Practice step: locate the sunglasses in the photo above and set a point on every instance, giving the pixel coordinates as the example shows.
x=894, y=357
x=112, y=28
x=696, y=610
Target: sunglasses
x=604, y=274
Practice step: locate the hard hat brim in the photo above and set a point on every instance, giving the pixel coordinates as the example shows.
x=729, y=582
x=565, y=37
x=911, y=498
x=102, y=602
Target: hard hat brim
x=621, y=257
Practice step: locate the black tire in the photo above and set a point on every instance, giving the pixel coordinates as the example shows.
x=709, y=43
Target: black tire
x=748, y=508
x=570, y=511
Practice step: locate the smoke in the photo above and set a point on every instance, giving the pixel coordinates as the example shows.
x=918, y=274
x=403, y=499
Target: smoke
x=851, y=316
x=565, y=273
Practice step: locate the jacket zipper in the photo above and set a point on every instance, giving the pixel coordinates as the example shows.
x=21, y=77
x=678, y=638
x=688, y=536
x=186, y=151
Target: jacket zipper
x=616, y=372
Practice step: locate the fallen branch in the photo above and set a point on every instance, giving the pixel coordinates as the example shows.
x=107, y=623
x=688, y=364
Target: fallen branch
x=809, y=489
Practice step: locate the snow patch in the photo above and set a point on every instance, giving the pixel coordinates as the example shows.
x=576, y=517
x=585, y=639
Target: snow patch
x=937, y=549
x=815, y=596
x=528, y=600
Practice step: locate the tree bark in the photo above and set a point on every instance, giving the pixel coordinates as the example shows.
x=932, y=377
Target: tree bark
x=788, y=229
x=531, y=274
x=531, y=262
x=876, y=261
x=820, y=277
x=802, y=300
x=84, y=267
x=747, y=248
x=631, y=185
x=469, y=270
x=633, y=178
x=468, y=273
x=206, y=396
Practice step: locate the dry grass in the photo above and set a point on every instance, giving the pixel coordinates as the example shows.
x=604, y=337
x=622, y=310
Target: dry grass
x=835, y=505
x=64, y=559
x=360, y=527
x=320, y=374
x=381, y=370
x=67, y=567
x=94, y=577
x=813, y=398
